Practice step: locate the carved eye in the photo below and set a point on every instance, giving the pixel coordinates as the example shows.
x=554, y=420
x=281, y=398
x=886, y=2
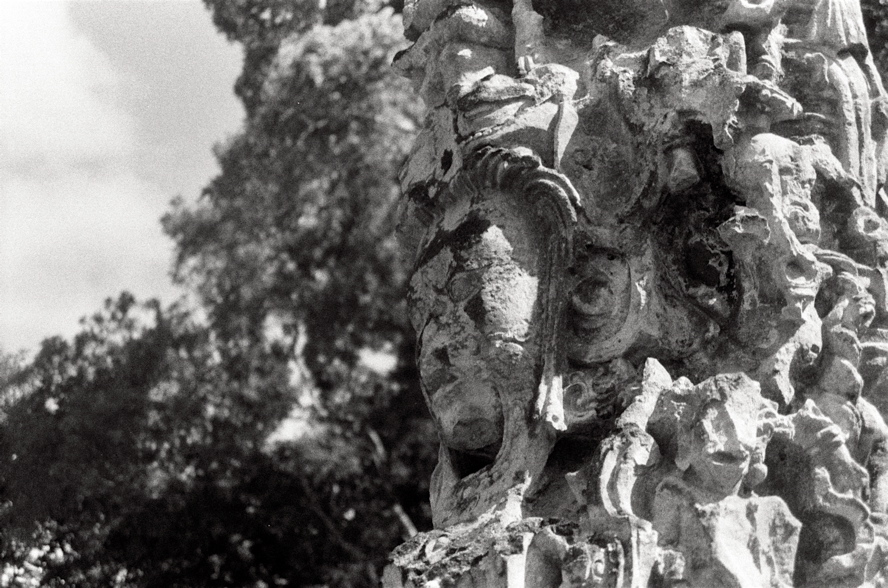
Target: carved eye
x=594, y=297
x=435, y=370
x=465, y=284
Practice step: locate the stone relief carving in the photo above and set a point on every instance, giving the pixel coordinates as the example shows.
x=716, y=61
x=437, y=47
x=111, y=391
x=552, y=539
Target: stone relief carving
x=650, y=294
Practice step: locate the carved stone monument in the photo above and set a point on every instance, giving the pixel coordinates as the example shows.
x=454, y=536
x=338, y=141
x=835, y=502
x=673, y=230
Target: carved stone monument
x=650, y=291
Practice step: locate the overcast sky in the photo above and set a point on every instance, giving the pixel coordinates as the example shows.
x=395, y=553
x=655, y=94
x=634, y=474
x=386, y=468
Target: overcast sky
x=108, y=109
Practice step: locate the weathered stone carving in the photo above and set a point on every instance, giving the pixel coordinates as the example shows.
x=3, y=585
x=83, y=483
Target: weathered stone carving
x=650, y=292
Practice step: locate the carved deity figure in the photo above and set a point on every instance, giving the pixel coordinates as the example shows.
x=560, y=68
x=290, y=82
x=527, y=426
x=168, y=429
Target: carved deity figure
x=483, y=304
x=650, y=291
x=708, y=513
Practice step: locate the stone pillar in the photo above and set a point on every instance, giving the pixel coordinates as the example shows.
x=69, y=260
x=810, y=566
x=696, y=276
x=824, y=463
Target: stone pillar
x=649, y=287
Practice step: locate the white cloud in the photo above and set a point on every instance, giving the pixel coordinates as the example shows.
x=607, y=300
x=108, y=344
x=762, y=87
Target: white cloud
x=76, y=222
x=57, y=95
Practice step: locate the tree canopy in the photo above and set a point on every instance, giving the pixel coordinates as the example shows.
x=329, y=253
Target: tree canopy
x=274, y=435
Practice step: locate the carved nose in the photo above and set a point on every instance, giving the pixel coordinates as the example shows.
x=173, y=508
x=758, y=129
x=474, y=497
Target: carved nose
x=436, y=370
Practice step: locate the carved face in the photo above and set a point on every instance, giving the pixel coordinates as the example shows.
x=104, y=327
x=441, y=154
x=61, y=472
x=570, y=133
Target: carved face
x=723, y=439
x=604, y=567
x=473, y=304
x=599, y=307
x=592, y=565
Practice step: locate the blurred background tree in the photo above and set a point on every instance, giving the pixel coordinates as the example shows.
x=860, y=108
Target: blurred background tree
x=875, y=15
x=273, y=435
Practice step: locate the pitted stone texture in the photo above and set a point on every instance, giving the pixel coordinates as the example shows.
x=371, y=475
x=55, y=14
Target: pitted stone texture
x=650, y=291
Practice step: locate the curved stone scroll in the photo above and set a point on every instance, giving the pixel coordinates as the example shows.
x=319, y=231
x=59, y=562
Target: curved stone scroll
x=518, y=217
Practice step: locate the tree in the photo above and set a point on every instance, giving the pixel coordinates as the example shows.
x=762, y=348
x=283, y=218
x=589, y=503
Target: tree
x=295, y=238
x=258, y=445
x=139, y=458
x=875, y=14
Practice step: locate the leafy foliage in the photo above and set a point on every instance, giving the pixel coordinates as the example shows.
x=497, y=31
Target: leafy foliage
x=299, y=224
x=274, y=436
x=261, y=26
x=146, y=462
x=295, y=239
x=875, y=14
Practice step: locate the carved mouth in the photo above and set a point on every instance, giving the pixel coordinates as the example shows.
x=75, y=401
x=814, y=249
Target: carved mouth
x=504, y=338
x=466, y=463
x=728, y=458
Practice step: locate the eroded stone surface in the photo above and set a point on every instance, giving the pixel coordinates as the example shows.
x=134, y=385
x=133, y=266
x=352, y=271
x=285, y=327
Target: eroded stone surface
x=650, y=291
